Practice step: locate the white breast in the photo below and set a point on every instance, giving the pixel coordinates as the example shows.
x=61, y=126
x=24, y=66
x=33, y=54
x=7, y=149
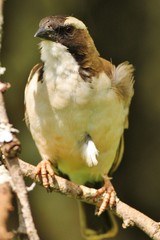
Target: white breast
x=64, y=108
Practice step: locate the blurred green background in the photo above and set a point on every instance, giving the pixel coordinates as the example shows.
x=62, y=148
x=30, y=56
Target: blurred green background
x=122, y=30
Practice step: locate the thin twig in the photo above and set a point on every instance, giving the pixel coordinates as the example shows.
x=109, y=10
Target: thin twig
x=129, y=215
x=5, y=189
x=5, y=208
x=10, y=147
x=10, y=150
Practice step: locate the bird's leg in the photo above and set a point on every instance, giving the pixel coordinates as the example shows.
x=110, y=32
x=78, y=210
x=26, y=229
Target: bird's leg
x=44, y=170
x=109, y=198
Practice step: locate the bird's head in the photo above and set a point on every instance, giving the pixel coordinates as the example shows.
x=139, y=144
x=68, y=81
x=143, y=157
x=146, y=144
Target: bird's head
x=68, y=31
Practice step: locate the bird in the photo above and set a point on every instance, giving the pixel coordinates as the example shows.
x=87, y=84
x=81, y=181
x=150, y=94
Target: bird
x=76, y=108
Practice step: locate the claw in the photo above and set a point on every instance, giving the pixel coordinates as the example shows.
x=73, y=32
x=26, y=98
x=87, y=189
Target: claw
x=44, y=170
x=109, y=198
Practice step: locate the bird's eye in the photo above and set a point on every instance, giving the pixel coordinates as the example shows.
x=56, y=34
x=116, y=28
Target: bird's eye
x=69, y=29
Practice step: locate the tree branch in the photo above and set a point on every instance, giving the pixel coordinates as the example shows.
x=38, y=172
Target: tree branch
x=5, y=190
x=5, y=208
x=10, y=147
x=129, y=215
x=9, y=150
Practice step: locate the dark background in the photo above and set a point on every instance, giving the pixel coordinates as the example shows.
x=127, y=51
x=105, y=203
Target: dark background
x=122, y=30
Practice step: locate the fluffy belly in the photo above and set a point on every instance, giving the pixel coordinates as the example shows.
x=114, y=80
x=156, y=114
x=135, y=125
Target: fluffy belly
x=60, y=135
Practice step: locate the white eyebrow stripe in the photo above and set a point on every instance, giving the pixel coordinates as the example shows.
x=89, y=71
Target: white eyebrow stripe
x=75, y=22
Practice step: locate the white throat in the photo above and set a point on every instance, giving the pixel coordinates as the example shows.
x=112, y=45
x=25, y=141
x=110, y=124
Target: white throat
x=61, y=74
x=56, y=55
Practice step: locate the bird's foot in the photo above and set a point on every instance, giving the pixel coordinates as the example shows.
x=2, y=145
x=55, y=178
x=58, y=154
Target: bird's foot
x=45, y=171
x=109, y=196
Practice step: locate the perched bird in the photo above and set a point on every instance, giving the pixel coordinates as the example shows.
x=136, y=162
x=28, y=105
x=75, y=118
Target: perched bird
x=77, y=106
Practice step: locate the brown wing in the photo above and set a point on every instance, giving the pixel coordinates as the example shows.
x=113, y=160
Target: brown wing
x=118, y=156
x=122, y=79
x=107, y=67
x=38, y=68
x=122, y=82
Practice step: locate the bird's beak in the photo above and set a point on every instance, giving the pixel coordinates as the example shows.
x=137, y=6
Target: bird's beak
x=41, y=33
x=44, y=33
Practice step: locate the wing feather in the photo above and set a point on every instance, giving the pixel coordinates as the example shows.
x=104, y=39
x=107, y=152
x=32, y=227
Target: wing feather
x=118, y=157
x=37, y=69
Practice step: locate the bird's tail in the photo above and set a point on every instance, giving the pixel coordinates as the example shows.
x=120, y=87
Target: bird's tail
x=96, y=227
